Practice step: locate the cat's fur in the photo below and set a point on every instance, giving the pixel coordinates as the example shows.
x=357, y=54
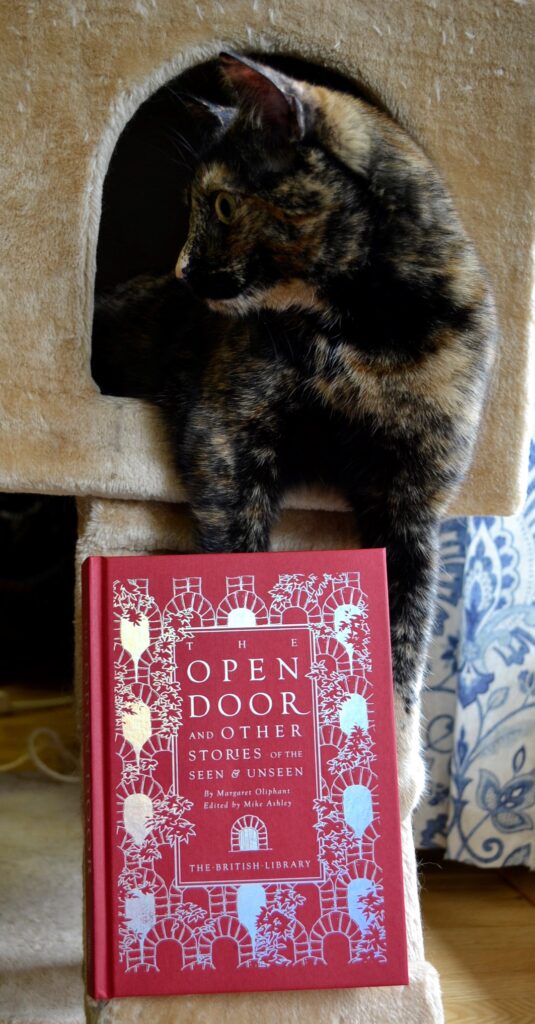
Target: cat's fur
x=339, y=329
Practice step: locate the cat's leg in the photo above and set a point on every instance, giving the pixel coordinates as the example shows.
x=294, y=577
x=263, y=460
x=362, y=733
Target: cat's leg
x=410, y=535
x=411, y=544
x=234, y=492
x=231, y=469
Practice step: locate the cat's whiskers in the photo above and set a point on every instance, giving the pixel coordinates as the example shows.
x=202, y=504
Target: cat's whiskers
x=167, y=153
x=189, y=157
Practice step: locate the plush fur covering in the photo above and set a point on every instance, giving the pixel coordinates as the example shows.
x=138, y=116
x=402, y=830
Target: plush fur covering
x=72, y=76
x=122, y=527
x=41, y=935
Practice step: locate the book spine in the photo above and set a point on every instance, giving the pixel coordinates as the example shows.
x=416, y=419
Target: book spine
x=99, y=954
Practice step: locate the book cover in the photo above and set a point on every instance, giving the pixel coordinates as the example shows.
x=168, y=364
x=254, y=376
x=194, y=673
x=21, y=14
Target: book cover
x=242, y=812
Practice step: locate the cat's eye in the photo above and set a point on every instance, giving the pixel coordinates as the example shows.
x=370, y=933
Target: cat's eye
x=225, y=205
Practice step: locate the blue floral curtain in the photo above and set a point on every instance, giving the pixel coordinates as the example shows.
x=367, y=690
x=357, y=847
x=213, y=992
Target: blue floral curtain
x=479, y=708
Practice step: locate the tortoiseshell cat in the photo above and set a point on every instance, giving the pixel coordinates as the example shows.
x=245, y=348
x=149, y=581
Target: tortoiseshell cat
x=331, y=323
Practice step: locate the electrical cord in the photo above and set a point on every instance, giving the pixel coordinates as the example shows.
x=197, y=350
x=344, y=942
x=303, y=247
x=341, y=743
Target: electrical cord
x=8, y=705
x=32, y=754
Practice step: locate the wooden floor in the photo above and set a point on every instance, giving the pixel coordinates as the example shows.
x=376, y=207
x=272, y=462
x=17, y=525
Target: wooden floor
x=480, y=935
x=479, y=925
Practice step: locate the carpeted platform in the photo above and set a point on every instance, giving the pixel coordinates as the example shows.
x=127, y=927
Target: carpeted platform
x=40, y=902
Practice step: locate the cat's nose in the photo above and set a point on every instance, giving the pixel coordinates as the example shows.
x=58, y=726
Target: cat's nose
x=181, y=269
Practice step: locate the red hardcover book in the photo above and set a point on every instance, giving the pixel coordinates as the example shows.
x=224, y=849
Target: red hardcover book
x=242, y=823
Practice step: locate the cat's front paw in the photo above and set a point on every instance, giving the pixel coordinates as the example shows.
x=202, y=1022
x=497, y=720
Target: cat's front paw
x=411, y=768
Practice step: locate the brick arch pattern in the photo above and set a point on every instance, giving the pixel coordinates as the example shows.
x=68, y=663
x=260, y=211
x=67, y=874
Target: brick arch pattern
x=125, y=665
x=327, y=895
x=337, y=922
x=360, y=869
x=178, y=932
x=155, y=626
x=159, y=889
x=332, y=736
x=153, y=615
x=329, y=647
x=301, y=942
x=242, y=599
x=299, y=599
x=147, y=663
x=155, y=745
x=361, y=777
x=248, y=821
x=222, y=899
x=148, y=787
x=151, y=882
x=354, y=777
x=357, y=869
x=227, y=927
x=159, y=744
x=180, y=894
x=144, y=785
x=359, y=684
x=192, y=604
x=342, y=595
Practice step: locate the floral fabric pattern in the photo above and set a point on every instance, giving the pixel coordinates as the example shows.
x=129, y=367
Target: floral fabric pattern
x=479, y=707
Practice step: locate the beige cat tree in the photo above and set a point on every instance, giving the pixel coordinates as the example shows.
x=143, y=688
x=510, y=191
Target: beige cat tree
x=72, y=74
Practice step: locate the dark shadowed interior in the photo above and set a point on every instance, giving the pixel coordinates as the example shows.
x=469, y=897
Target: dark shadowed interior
x=144, y=219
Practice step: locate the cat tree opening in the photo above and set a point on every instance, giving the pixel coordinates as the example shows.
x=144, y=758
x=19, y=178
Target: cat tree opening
x=144, y=218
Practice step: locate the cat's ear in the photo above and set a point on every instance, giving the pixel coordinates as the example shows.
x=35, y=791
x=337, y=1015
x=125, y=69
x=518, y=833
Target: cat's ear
x=220, y=115
x=269, y=98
